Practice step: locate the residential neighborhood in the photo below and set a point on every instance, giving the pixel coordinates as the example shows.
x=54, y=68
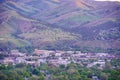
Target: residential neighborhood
x=57, y=58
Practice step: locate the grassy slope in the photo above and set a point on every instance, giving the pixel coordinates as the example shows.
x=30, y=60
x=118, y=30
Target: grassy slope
x=21, y=30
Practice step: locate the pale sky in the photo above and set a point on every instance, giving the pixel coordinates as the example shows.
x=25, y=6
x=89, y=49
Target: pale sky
x=107, y=0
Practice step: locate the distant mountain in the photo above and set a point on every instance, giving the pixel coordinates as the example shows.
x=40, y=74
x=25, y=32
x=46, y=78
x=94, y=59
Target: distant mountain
x=60, y=24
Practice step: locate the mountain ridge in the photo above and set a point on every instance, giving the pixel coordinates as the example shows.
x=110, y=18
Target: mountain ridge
x=82, y=23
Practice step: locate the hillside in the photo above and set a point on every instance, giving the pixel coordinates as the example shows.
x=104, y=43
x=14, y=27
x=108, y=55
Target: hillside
x=60, y=24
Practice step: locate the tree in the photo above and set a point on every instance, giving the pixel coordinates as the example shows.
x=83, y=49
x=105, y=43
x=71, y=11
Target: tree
x=2, y=67
x=36, y=71
x=58, y=77
x=10, y=66
x=108, y=65
x=42, y=77
x=20, y=65
x=3, y=76
x=62, y=66
x=104, y=76
x=115, y=75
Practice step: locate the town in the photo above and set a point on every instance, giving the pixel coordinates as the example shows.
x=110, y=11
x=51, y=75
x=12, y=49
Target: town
x=57, y=58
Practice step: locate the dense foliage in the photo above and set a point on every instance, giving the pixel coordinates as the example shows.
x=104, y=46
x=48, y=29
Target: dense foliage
x=49, y=72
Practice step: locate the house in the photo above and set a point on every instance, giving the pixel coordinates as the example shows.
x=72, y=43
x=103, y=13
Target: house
x=8, y=60
x=20, y=60
x=41, y=61
x=70, y=52
x=101, y=64
x=58, y=54
x=78, y=52
x=16, y=53
x=59, y=62
x=30, y=62
x=44, y=53
x=95, y=78
x=101, y=54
